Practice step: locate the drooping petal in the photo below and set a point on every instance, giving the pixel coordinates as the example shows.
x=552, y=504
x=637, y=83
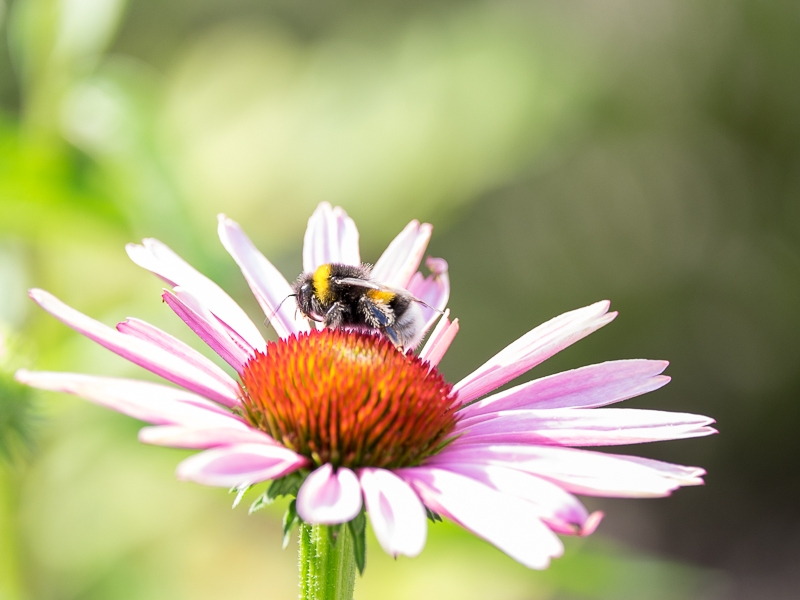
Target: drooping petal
x=331, y=237
x=240, y=465
x=587, y=387
x=145, y=354
x=176, y=436
x=149, y=402
x=192, y=301
x=173, y=345
x=397, y=515
x=162, y=261
x=560, y=510
x=533, y=348
x=581, y=471
x=581, y=427
x=501, y=519
x=433, y=290
x=269, y=287
x=207, y=329
x=400, y=260
x=327, y=498
x=440, y=340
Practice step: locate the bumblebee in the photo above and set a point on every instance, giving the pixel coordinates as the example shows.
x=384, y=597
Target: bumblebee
x=345, y=296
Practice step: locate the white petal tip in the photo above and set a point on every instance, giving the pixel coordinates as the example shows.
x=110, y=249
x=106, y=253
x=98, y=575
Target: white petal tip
x=23, y=376
x=181, y=474
x=328, y=498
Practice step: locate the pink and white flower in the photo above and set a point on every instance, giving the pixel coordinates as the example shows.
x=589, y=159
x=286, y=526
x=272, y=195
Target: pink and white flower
x=371, y=426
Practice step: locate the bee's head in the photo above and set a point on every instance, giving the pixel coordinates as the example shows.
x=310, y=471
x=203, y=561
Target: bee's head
x=303, y=289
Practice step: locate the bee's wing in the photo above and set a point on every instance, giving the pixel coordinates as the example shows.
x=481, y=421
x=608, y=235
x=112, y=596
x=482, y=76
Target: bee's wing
x=355, y=281
x=363, y=283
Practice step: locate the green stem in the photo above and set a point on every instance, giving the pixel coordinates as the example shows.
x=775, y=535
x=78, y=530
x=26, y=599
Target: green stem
x=327, y=569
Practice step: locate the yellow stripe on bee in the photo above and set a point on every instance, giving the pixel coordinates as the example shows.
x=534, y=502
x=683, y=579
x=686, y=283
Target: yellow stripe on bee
x=381, y=296
x=322, y=286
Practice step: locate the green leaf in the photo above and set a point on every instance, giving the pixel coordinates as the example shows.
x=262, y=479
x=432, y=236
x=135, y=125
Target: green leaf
x=290, y=519
x=358, y=527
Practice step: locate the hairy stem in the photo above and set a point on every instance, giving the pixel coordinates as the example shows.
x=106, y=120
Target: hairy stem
x=327, y=567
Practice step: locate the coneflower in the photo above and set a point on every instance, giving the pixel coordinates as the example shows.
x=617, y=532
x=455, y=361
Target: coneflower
x=350, y=425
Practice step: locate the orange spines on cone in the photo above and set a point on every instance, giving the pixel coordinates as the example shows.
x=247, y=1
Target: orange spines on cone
x=348, y=398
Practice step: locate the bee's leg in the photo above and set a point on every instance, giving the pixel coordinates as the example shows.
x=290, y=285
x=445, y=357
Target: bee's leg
x=373, y=315
x=334, y=318
x=393, y=337
x=380, y=320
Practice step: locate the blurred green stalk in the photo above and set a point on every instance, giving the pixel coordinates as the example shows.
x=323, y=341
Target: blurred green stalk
x=10, y=580
x=327, y=563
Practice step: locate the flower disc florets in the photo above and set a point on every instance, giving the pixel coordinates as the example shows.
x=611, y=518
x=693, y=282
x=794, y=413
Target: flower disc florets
x=348, y=398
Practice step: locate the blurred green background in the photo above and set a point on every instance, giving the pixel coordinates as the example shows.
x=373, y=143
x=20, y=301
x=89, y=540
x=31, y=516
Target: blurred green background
x=642, y=151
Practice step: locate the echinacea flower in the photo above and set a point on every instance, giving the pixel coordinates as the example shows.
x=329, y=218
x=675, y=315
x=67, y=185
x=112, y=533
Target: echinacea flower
x=355, y=424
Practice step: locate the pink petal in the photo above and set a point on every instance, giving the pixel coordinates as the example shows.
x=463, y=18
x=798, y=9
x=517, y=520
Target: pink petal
x=581, y=427
x=149, y=333
x=269, y=287
x=149, y=402
x=239, y=466
x=587, y=387
x=685, y=476
x=581, y=471
x=226, y=334
x=145, y=354
x=502, y=519
x=161, y=260
x=590, y=526
x=208, y=329
x=440, y=340
x=331, y=237
x=433, y=290
x=560, y=510
x=437, y=266
x=196, y=438
x=328, y=498
x=396, y=513
x=401, y=259
x=533, y=348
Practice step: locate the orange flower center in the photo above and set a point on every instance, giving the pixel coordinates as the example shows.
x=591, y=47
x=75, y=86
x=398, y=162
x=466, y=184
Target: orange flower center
x=348, y=398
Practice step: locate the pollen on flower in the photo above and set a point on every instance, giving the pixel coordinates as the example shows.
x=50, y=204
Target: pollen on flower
x=348, y=398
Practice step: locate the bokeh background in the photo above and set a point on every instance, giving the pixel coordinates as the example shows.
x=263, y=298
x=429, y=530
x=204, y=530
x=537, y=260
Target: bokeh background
x=642, y=151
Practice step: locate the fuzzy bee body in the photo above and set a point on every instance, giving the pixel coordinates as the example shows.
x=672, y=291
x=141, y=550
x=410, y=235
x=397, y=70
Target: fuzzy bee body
x=341, y=295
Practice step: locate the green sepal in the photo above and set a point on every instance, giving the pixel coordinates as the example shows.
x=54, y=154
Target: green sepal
x=285, y=486
x=432, y=515
x=259, y=503
x=358, y=527
x=240, y=492
x=290, y=519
